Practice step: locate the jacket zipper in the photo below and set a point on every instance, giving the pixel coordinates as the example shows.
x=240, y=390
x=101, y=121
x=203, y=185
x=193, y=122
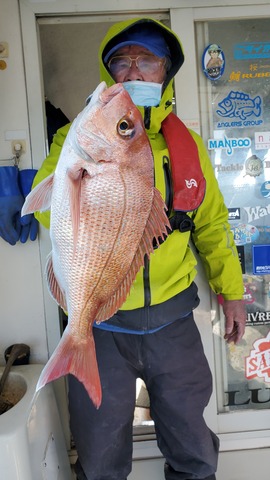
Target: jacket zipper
x=146, y=282
x=146, y=279
x=168, y=201
x=168, y=184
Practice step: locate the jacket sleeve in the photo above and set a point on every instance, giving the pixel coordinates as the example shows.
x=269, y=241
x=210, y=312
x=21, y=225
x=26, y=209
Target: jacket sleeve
x=48, y=167
x=213, y=238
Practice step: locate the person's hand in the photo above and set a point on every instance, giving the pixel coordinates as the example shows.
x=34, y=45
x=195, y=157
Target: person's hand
x=235, y=320
x=11, y=202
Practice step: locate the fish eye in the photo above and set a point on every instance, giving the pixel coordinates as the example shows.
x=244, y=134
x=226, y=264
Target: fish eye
x=125, y=127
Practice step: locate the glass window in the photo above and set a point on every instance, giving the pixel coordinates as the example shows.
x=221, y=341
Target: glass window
x=235, y=119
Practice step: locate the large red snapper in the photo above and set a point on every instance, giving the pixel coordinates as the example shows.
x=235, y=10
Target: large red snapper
x=105, y=213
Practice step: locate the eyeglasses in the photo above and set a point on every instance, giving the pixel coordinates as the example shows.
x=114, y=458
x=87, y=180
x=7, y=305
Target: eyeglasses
x=144, y=63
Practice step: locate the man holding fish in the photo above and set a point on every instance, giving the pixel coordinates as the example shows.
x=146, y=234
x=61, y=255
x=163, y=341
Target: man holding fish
x=146, y=294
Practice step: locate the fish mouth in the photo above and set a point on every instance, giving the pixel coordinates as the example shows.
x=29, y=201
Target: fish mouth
x=103, y=94
x=109, y=94
x=222, y=113
x=82, y=139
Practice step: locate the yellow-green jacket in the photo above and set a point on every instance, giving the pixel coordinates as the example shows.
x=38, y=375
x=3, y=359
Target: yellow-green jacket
x=172, y=267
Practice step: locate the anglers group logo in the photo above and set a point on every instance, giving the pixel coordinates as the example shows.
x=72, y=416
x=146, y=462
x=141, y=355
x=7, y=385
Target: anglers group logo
x=240, y=105
x=258, y=362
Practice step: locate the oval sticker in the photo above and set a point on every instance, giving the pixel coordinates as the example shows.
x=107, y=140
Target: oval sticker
x=213, y=61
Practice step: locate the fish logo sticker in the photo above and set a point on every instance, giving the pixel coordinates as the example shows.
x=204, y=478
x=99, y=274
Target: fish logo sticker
x=213, y=62
x=240, y=105
x=258, y=362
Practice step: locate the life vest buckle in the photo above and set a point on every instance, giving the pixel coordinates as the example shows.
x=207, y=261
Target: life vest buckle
x=182, y=222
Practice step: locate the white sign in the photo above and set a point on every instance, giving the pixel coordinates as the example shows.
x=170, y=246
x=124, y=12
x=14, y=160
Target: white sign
x=262, y=140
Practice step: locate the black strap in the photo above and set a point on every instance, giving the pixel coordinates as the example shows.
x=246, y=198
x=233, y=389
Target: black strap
x=179, y=221
x=182, y=222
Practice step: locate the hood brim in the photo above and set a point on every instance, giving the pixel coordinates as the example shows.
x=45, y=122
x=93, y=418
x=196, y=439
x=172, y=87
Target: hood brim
x=175, y=48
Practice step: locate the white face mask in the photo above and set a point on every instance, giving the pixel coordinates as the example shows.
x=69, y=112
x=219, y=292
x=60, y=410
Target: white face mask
x=145, y=94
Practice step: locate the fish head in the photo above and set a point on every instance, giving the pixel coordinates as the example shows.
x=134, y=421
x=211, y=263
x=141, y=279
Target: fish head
x=110, y=129
x=226, y=107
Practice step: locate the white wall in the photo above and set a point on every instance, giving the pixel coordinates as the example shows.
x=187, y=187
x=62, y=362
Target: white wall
x=21, y=290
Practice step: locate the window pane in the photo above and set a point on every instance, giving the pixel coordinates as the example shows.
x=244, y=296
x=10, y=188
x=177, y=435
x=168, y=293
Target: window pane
x=235, y=118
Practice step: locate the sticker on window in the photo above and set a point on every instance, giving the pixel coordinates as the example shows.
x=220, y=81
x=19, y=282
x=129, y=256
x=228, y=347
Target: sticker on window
x=258, y=362
x=213, y=62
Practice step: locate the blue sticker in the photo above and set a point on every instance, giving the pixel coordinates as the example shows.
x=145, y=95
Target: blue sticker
x=228, y=144
x=248, y=51
x=261, y=259
x=245, y=234
x=265, y=189
x=240, y=105
x=213, y=62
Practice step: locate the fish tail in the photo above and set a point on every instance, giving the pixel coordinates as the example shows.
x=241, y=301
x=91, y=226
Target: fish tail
x=78, y=359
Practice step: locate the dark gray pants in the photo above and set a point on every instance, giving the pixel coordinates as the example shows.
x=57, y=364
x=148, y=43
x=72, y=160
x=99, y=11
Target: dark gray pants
x=174, y=368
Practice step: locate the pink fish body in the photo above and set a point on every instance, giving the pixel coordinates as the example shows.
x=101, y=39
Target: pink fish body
x=105, y=213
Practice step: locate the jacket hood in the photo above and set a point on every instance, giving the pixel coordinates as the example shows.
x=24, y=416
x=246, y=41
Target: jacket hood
x=175, y=50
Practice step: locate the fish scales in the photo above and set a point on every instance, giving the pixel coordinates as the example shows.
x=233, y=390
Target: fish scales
x=105, y=213
x=116, y=233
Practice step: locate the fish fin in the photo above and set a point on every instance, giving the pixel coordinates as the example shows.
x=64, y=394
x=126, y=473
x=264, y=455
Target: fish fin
x=157, y=228
x=158, y=225
x=39, y=199
x=53, y=285
x=77, y=357
x=117, y=299
x=75, y=180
